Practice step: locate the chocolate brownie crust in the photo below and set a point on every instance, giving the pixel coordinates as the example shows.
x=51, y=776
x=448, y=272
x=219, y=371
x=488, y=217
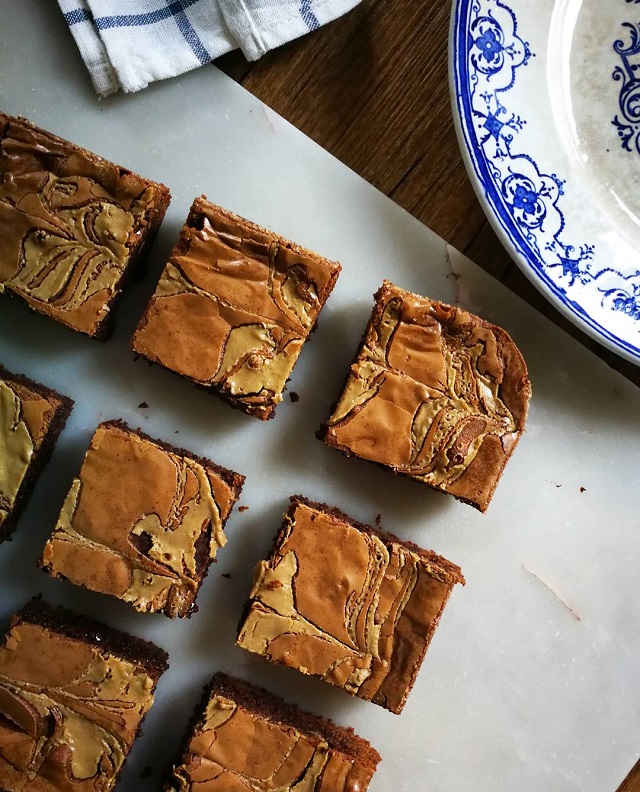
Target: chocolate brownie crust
x=64, y=621
x=453, y=571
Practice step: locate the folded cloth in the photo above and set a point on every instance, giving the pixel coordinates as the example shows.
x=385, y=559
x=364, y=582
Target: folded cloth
x=130, y=43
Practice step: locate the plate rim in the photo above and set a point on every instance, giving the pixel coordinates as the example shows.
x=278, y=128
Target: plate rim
x=497, y=213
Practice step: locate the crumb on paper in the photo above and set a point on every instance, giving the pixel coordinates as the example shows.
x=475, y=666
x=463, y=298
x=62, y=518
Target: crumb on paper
x=143, y=406
x=294, y=397
x=554, y=592
x=227, y=575
x=243, y=508
x=378, y=520
x=583, y=489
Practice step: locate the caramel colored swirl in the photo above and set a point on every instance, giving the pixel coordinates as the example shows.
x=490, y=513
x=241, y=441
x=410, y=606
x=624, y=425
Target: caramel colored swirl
x=347, y=605
x=24, y=420
x=69, y=713
x=69, y=220
x=235, y=750
x=233, y=308
x=436, y=394
x=139, y=541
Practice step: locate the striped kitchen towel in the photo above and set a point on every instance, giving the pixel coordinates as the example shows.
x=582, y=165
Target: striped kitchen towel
x=130, y=43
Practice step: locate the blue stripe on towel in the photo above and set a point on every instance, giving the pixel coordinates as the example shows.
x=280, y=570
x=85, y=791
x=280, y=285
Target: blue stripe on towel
x=76, y=16
x=311, y=20
x=174, y=9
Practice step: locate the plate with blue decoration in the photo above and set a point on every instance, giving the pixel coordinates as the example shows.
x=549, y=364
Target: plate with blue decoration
x=546, y=98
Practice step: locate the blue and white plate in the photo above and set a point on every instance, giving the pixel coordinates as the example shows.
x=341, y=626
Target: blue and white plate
x=547, y=103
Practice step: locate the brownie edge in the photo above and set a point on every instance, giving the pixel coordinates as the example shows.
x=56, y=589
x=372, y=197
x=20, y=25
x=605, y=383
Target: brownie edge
x=66, y=622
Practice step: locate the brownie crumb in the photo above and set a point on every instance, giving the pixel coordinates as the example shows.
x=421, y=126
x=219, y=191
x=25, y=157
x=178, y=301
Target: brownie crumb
x=243, y=508
x=147, y=771
x=143, y=406
x=378, y=520
x=294, y=397
x=227, y=575
x=583, y=489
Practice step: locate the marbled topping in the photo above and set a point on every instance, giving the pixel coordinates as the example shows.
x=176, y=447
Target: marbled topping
x=235, y=750
x=70, y=220
x=25, y=417
x=436, y=394
x=346, y=604
x=69, y=712
x=134, y=520
x=233, y=308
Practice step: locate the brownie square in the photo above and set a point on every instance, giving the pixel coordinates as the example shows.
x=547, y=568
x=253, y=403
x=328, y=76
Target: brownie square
x=73, y=694
x=434, y=393
x=243, y=737
x=142, y=522
x=31, y=419
x=73, y=226
x=233, y=308
x=347, y=603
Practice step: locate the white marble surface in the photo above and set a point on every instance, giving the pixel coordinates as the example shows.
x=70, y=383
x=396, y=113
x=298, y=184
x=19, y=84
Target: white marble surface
x=532, y=679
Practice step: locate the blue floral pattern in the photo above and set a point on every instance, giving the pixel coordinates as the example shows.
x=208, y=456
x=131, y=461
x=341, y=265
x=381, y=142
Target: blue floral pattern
x=629, y=100
x=489, y=53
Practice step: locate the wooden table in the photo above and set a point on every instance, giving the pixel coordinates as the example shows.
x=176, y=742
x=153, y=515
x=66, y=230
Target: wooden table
x=372, y=89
